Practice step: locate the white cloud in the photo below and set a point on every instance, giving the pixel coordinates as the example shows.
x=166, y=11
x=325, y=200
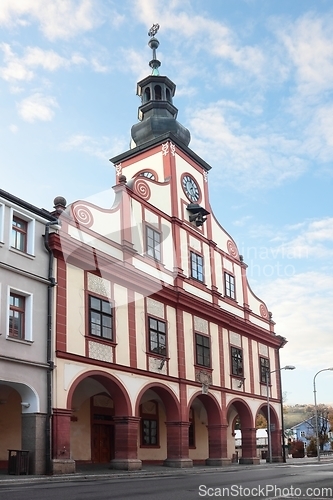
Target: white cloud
x=259, y=158
x=101, y=148
x=57, y=18
x=309, y=44
x=13, y=128
x=302, y=309
x=37, y=107
x=21, y=68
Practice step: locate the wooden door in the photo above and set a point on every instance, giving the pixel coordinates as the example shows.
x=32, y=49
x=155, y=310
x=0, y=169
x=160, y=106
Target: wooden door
x=101, y=443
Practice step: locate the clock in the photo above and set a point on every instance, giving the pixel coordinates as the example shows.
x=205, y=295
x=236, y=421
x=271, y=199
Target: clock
x=190, y=188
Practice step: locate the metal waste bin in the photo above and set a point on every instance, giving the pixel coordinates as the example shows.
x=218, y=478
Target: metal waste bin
x=18, y=462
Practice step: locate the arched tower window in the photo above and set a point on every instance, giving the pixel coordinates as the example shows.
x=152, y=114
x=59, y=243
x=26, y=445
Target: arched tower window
x=168, y=95
x=158, y=93
x=147, y=95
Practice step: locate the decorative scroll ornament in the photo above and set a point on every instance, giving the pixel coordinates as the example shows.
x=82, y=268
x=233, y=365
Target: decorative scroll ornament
x=205, y=176
x=142, y=189
x=165, y=148
x=232, y=249
x=119, y=169
x=172, y=148
x=82, y=215
x=263, y=311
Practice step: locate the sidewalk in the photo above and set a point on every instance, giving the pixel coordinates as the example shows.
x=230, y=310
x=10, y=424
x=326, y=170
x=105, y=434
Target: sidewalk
x=100, y=471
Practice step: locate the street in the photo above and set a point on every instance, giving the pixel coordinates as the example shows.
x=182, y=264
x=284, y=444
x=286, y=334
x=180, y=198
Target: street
x=268, y=481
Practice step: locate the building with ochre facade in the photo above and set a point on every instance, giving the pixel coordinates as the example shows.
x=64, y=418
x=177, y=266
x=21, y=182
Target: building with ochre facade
x=161, y=347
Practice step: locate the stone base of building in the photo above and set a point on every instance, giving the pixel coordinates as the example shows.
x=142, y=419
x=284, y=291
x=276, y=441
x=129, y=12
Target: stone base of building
x=62, y=466
x=218, y=462
x=126, y=464
x=275, y=460
x=179, y=463
x=249, y=460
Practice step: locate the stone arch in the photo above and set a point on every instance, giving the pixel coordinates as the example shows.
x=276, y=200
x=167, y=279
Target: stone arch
x=213, y=409
x=30, y=401
x=172, y=405
x=111, y=384
x=276, y=431
x=249, y=446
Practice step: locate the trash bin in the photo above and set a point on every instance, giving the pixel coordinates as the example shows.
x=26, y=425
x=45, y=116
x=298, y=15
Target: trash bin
x=18, y=462
x=264, y=454
x=234, y=459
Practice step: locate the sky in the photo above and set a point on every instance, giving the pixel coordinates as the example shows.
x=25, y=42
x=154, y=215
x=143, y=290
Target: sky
x=254, y=87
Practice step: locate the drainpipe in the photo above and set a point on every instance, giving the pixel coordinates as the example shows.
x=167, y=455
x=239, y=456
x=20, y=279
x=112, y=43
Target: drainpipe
x=49, y=360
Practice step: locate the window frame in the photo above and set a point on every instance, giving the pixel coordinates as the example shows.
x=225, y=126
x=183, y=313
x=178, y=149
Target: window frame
x=19, y=234
x=235, y=352
x=30, y=232
x=159, y=352
x=204, y=349
x=19, y=310
x=149, y=417
x=229, y=285
x=264, y=367
x=102, y=314
x=195, y=273
x=153, y=248
x=28, y=315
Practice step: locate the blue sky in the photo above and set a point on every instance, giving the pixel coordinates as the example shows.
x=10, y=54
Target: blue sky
x=254, y=87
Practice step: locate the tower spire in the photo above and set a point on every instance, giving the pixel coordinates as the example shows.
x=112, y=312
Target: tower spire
x=157, y=115
x=153, y=44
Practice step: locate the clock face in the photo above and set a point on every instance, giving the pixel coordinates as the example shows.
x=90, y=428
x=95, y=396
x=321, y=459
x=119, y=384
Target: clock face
x=190, y=188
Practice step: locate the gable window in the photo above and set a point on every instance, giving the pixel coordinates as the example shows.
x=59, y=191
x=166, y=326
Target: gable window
x=202, y=349
x=100, y=318
x=229, y=282
x=196, y=266
x=157, y=336
x=149, y=424
x=19, y=234
x=17, y=316
x=264, y=370
x=237, y=361
x=153, y=243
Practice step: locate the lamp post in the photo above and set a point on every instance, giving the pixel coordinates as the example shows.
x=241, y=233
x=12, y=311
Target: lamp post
x=316, y=411
x=268, y=376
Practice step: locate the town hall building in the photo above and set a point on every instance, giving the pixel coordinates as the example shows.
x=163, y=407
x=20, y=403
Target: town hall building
x=161, y=347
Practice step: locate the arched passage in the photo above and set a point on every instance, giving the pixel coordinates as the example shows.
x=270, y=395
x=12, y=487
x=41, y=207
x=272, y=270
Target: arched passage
x=275, y=434
x=98, y=424
x=241, y=410
x=163, y=433
x=207, y=431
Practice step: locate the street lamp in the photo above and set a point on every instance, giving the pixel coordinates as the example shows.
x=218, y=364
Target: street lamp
x=268, y=376
x=316, y=411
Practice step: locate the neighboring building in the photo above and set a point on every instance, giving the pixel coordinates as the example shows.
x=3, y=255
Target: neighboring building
x=160, y=343
x=306, y=430
x=24, y=350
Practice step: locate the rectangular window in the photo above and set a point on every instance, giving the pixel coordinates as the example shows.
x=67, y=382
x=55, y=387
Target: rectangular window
x=19, y=234
x=202, y=349
x=100, y=318
x=153, y=243
x=149, y=424
x=196, y=266
x=17, y=316
x=236, y=361
x=157, y=336
x=264, y=370
x=229, y=282
x=149, y=432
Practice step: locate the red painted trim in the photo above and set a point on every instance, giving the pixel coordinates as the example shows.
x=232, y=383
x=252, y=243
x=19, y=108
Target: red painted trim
x=132, y=328
x=180, y=343
x=251, y=365
x=221, y=355
x=61, y=308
